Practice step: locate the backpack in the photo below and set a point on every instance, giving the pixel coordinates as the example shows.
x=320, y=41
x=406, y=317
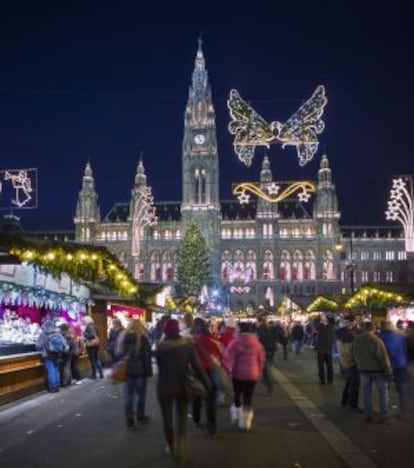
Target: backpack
x=55, y=343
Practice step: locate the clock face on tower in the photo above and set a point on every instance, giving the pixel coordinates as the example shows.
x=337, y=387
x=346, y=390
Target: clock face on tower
x=199, y=139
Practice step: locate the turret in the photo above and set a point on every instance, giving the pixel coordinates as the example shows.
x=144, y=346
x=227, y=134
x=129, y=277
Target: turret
x=87, y=209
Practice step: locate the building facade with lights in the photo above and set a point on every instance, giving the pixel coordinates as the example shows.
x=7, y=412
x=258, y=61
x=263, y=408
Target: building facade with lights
x=260, y=250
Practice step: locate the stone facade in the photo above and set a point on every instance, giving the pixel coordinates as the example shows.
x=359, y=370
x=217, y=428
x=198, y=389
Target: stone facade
x=260, y=251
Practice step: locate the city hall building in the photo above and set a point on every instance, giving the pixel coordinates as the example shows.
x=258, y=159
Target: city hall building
x=260, y=250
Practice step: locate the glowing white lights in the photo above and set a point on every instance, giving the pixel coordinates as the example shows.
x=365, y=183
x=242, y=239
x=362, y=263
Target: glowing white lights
x=270, y=193
x=300, y=130
x=401, y=208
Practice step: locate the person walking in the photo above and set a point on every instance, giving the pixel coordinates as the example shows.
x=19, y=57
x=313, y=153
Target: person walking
x=207, y=349
x=114, y=334
x=373, y=363
x=267, y=339
x=345, y=339
x=297, y=333
x=66, y=357
x=174, y=355
x=325, y=328
x=396, y=343
x=90, y=335
x=245, y=359
x=136, y=349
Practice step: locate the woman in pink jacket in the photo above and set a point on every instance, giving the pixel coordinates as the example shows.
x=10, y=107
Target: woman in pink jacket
x=244, y=358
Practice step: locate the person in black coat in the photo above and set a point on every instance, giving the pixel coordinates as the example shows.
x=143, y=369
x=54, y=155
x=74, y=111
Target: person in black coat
x=174, y=356
x=325, y=329
x=136, y=349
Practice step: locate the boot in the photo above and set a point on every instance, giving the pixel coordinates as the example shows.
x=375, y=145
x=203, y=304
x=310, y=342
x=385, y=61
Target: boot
x=246, y=418
x=235, y=415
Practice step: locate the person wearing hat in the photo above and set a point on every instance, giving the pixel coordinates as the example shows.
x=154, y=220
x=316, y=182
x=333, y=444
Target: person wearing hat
x=345, y=339
x=174, y=355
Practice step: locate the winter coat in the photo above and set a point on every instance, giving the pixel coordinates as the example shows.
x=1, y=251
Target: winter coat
x=266, y=337
x=297, y=332
x=138, y=360
x=227, y=335
x=245, y=357
x=174, y=357
x=206, y=348
x=396, y=344
x=325, y=337
x=370, y=354
x=345, y=340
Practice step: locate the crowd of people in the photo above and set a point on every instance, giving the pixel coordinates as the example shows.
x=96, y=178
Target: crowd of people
x=368, y=355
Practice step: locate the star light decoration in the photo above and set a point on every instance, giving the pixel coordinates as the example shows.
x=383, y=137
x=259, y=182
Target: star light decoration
x=300, y=130
x=401, y=208
x=274, y=193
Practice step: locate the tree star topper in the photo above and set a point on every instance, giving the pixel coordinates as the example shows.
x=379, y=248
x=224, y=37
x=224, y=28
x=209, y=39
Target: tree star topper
x=300, y=130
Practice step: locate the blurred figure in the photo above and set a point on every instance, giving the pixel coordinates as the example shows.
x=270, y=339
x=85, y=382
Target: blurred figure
x=245, y=359
x=66, y=357
x=188, y=321
x=136, y=349
x=174, y=356
x=207, y=349
x=78, y=348
x=267, y=339
x=114, y=334
x=396, y=343
x=284, y=339
x=90, y=335
x=228, y=332
x=371, y=358
x=345, y=340
x=297, y=333
x=325, y=328
x=51, y=345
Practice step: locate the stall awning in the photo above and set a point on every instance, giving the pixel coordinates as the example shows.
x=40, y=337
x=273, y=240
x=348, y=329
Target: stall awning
x=131, y=311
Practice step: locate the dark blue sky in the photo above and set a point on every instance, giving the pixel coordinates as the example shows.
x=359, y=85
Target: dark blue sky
x=90, y=80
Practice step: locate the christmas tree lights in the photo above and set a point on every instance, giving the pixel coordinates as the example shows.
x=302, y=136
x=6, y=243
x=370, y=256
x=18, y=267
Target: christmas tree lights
x=373, y=297
x=401, y=208
x=300, y=130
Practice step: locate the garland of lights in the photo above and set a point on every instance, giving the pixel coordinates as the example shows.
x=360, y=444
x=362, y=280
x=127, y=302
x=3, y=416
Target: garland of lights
x=273, y=195
x=373, y=297
x=401, y=208
x=322, y=303
x=85, y=264
x=300, y=130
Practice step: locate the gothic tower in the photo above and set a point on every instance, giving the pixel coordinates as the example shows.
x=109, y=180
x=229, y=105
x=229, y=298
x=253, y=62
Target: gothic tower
x=87, y=209
x=200, y=165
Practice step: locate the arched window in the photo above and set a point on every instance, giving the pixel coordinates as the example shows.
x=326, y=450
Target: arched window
x=268, y=270
x=285, y=266
x=250, y=266
x=200, y=186
x=226, y=266
x=167, y=267
x=327, y=266
x=297, y=266
x=155, y=267
x=238, y=269
x=309, y=269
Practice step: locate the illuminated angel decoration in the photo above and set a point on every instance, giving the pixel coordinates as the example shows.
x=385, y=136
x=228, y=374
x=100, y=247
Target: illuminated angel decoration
x=300, y=130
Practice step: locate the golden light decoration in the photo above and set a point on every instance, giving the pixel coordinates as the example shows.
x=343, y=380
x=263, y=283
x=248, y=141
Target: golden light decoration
x=271, y=192
x=369, y=296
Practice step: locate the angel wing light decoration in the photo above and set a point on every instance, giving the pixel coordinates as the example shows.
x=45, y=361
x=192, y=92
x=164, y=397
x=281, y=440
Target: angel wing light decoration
x=300, y=130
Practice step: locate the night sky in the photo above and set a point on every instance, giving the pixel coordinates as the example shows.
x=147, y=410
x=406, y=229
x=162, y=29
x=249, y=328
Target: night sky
x=88, y=80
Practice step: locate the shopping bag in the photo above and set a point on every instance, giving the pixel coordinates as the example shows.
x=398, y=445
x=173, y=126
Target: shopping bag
x=194, y=387
x=220, y=377
x=119, y=371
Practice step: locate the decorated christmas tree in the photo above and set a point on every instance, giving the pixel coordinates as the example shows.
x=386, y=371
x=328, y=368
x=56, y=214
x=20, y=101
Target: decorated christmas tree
x=193, y=268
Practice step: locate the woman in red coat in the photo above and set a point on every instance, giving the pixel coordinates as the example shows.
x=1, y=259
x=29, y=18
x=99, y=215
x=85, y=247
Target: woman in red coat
x=244, y=358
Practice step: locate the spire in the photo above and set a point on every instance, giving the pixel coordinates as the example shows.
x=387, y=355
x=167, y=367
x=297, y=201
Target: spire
x=200, y=75
x=266, y=172
x=88, y=169
x=324, y=173
x=140, y=176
